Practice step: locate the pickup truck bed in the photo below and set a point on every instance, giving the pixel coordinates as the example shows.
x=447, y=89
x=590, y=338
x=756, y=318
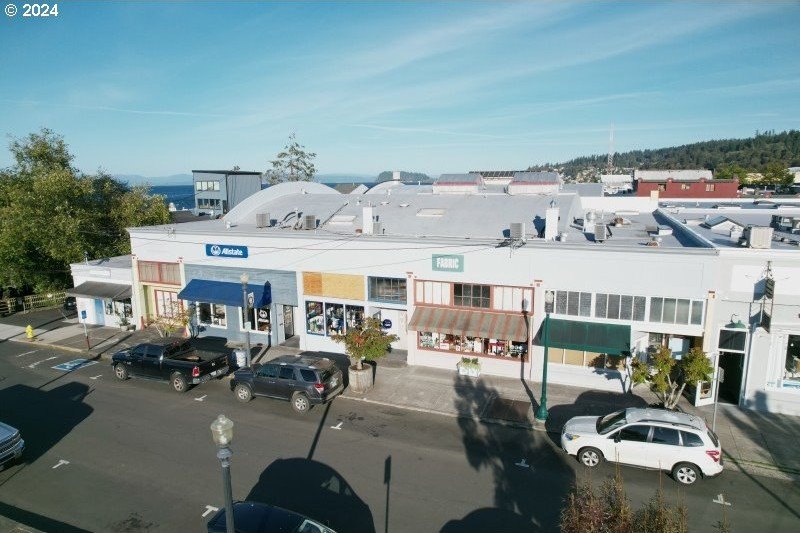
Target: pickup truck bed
x=177, y=362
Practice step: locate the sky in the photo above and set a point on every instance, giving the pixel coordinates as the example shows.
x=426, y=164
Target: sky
x=156, y=88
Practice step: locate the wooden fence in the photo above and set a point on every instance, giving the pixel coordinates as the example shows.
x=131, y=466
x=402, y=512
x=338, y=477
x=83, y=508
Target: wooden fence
x=33, y=301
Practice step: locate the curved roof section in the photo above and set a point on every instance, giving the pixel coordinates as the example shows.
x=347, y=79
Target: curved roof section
x=247, y=209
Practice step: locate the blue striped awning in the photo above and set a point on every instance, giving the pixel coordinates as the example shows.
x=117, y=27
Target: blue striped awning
x=225, y=292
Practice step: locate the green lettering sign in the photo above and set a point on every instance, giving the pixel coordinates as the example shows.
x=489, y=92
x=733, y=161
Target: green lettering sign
x=448, y=263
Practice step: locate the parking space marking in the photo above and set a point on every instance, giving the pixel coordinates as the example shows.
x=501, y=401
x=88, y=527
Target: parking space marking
x=337, y=426
x=73, y=365
x=60, y=463
x=97, y=377
x=210, y=509
x=200, y=399
x=37, y=363
x=523, y=464
x=27, y=353
x=720, y=499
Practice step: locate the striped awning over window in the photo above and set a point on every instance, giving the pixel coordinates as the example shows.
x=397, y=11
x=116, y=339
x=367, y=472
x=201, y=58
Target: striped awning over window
x=504, y=326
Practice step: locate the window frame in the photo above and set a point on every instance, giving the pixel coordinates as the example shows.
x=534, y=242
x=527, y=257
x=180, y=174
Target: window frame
x=472, y=297
x=166, y=273
x=401, y=289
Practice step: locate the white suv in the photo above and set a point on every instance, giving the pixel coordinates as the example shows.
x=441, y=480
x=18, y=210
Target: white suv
x=648, y=438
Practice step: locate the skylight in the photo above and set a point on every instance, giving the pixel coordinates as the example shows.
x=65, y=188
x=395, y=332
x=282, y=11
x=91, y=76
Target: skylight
x=431, y=212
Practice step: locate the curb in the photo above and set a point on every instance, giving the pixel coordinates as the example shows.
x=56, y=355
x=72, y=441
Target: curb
x=54, y=346
x=496, y=421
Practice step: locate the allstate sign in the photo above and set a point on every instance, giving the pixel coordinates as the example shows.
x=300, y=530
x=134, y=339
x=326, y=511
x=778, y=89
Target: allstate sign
x=226, y=250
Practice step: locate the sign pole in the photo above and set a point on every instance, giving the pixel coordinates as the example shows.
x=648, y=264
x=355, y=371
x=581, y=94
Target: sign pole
x=85, y=331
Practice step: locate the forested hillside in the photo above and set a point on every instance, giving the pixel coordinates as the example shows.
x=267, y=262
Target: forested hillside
x=754, y=154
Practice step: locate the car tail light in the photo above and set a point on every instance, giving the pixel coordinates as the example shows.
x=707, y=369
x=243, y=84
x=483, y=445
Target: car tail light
x=196, y=372
x=319, y=387
x=714, y=454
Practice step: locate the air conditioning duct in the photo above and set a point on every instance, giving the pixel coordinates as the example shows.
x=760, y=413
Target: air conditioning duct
x=758, y=237
x=377, y=228
x=310, y=222
x=517, y=231
x=600, y=232
x=263, y=220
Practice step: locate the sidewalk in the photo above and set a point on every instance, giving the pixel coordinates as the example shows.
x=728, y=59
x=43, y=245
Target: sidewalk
x=753, y=442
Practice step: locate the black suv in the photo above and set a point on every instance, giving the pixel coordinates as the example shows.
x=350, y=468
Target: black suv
x=303, y=380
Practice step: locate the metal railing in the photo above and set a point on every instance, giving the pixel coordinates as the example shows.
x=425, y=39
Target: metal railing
x=32, y=301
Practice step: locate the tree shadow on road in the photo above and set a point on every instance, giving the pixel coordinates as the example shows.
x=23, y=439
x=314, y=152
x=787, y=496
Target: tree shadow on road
x=315, y=490
x=531, y=478
x=44, y=417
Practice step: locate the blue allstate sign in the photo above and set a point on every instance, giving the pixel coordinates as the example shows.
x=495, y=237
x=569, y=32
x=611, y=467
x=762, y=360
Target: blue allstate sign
x=226, y=250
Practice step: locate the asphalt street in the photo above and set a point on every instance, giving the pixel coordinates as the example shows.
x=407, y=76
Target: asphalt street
x=104, y=455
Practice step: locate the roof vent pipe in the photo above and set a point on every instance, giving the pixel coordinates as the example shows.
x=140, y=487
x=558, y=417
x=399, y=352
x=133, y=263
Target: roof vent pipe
x=396, y=175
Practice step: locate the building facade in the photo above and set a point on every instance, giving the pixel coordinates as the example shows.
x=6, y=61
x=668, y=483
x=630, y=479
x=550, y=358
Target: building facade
x=219, y=191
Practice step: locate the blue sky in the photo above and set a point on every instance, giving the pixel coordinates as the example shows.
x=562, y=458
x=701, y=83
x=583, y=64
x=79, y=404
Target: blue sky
x=162, y=88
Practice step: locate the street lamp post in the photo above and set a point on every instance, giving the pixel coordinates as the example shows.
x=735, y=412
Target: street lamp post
x=245, y=318
x=541, y=412
x=222, y=433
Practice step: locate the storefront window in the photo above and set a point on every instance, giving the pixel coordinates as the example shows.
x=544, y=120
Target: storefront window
x=355, y=315
x=791, y=376
x=315, y=320
x=211, y=314
x=471, y=295
x=334, y=319
x=475, y=345
x=387, y=290
x=258, y=319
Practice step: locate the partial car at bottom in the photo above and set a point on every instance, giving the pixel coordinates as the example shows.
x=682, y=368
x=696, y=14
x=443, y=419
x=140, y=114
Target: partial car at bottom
x=655, y=439
x=255, y=517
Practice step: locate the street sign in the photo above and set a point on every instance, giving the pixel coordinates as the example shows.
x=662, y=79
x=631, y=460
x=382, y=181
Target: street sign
x=251, y=298
x=386, y=324
x=83, y=315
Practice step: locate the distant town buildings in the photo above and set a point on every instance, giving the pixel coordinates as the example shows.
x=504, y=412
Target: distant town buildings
x=684, y=184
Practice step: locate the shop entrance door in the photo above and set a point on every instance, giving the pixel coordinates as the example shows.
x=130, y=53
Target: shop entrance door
x=288, y=321
x=732, y=365
x=99, y=313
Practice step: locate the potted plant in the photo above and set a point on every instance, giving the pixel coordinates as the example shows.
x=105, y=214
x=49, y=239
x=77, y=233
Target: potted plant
x=365, y=342
x=124, y=323
x=469, y=367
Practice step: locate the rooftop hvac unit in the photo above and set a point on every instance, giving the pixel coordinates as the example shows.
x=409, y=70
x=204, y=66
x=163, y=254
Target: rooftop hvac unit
x=377, y=228
x=600, y=232
x=517, y=231
x=310, y=221
x=758, y=237
x=263, y=220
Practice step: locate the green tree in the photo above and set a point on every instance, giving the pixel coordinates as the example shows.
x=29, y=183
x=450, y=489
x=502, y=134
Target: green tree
x=777, y=174
x=662, y=372
x=366, y=342
x=732, y=171
x=51, y=214
x=292, y=164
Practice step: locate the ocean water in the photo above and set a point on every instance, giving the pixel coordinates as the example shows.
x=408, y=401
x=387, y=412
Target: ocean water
x=181, y=195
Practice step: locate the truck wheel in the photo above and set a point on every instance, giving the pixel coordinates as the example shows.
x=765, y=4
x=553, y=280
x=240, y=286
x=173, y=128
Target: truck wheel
x=121, y=372
x=300, y=402
x=179, y=383
x=243, y=393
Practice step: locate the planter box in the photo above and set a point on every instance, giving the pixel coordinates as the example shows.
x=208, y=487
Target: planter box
x=468, y=371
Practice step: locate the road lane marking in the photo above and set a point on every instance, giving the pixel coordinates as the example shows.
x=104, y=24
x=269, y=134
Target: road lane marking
x=200, y=399
x=34, y=365
x=523, y=464
x=210, y=509
x=73, y=365
x=61, y=462
x=720, y=499
x=337, y=426
x=27, y=353
x=96, y=377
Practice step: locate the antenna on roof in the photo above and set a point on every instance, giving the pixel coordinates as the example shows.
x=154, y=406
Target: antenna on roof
x=610, y=163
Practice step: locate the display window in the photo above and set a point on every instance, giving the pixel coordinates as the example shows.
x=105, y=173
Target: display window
x=211, y=314
x=334, y=319
x=432, y=340
x=315, y=319
x=258, y=319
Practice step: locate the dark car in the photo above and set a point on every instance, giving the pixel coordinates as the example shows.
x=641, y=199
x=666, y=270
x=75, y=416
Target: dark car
x=70, y=305
x=304, y=381
x=254, y=517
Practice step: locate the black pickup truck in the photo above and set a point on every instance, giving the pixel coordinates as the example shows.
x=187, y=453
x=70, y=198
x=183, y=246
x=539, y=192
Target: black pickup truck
x=177, y=362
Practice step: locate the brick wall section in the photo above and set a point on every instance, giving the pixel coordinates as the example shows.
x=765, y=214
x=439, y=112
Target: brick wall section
x=695, y=189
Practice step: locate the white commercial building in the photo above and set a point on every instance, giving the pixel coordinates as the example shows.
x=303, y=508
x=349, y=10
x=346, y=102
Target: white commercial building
x=466, y=273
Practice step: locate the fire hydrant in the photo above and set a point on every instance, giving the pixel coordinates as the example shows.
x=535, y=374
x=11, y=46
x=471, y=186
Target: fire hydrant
x=29, y=332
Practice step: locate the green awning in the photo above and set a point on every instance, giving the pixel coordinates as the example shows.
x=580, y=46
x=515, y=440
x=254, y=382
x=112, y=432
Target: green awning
x=612, y=339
